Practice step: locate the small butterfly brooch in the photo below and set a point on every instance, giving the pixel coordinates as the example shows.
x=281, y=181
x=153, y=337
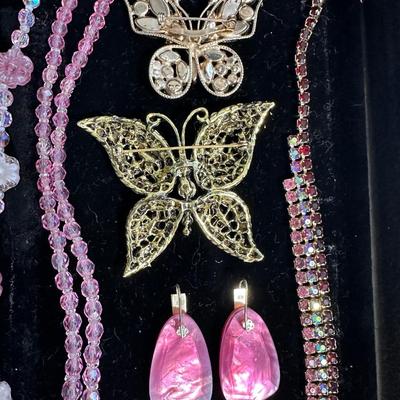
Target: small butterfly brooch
x=195, y=47
x=219, y=160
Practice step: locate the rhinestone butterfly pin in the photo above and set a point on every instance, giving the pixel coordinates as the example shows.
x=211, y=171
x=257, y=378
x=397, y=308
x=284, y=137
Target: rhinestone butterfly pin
x=220, y=159
x=195, y=47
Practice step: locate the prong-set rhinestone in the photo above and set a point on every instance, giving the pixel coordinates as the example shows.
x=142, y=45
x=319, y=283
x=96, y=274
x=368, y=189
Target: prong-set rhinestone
x=307, y=238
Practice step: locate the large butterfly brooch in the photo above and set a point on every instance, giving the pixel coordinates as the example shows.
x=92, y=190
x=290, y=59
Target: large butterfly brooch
x=219, y=160
x=195, y=45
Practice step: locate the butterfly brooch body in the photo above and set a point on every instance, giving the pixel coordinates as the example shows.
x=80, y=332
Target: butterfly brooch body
x=219, y=160
x=195, y=48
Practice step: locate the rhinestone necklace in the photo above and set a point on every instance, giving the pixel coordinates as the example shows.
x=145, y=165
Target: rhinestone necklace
x=307, y=238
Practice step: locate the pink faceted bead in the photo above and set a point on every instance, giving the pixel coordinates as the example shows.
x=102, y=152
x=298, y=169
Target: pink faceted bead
x=59, y=173
x=86, y=45
x=93, y=309
x=59, y=28
x=97, y=21
x=64, y=281
x=44, y=95
x=72, y=322
x=67, y=86
x=89, y=394
x=79, y=248
x=73, y=71
x=181, y=367
x=57, y=240
x=91, y=377
x=64, y=14
x=58, y=155
x=74, y=366
x=80, y=59
x=71, y=390
x=71, y=4
x=60, y=191
x=50, y=75
x=42, y=130
x=50, y=220
x=20, y=39
x=65, y=211
x=69, y=301
x=59, y=260
x=92, y=354
x=62, y=101
x=72, y=230
x=43, y=112
x=58, y=137
x=43, y=147
x=249, y=366
x=44, y=183
x=90, y=287
x=47, y=202
x=92, y=33
x=56, y=41
x=73, y=343
x=94, y=331
x=54, y=58
x=85, y=267
x=60, y=119
x=43, y=166
x=102, y=7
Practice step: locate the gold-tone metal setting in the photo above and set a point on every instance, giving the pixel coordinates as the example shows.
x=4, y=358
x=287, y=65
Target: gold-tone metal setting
x=179, y=307
x=195, y=47
x=241, y=300
x=219, y=160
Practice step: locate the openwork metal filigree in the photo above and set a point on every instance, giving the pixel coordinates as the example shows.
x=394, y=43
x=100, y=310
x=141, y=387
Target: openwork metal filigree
x=220, y=159
x=195, y=47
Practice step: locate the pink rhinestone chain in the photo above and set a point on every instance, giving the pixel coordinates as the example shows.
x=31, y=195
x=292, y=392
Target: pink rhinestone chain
x=58, y=216
x=307, y=237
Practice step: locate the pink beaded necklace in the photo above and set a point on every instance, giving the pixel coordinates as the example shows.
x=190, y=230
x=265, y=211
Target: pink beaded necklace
x=15, y=70
x=58, y=218
x=58, y=215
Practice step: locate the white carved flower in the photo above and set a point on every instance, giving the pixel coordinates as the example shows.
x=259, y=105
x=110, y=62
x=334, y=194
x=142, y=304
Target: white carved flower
x=5, y=391
x=9, y=172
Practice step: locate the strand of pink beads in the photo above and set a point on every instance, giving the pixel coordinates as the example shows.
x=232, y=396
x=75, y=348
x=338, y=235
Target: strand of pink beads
x=307, y=237
x=15, y=70
x=58, y=216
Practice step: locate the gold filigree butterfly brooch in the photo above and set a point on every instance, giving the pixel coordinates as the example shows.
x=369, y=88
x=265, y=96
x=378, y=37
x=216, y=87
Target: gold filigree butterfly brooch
x=219, y=160
x=195, y=48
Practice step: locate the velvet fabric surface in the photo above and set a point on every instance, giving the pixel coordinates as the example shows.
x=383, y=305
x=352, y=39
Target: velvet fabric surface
x=115, y=82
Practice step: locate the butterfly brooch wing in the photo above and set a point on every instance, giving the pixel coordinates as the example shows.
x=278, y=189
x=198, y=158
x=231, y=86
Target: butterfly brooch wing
x=196, y=49
x=224, y=152
x=153, y=221
x=220, y=160
x=219, y=67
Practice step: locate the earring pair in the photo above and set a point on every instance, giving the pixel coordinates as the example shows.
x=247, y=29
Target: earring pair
x=248, y=361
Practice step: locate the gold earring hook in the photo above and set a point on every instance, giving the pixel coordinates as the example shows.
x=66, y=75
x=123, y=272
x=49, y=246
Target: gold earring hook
x=241, y=299
x=179, y=307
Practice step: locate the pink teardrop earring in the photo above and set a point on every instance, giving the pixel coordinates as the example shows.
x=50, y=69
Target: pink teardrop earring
x=181, y=367
x=249, y=366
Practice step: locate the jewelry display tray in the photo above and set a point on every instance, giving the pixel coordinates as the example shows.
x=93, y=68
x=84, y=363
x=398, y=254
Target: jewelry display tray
x=356, y=149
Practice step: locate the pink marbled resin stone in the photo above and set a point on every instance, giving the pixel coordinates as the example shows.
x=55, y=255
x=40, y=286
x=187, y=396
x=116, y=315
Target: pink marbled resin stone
x=181, y=368
x=249, y=365
x=15, y=68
